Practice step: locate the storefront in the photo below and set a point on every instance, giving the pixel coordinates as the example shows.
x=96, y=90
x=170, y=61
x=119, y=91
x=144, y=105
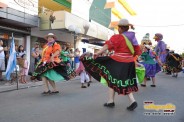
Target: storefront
x=6, y=36
x=74, y=28
x=17, y=19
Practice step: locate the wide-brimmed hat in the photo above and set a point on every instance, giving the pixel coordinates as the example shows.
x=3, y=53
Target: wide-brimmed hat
x=50, y=35
x=158, y=35
x=123, y=22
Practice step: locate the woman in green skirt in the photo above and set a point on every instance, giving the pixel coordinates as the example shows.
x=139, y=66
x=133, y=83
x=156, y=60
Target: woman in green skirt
x=51, y=68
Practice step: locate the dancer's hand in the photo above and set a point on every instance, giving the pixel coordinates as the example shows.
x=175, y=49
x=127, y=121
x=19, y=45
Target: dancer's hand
x=160, y=63
x=52, y=59
x=139, y=65
x=96, y=55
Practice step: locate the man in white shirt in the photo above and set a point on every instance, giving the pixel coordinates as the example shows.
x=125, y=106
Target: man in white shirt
x=2, y=59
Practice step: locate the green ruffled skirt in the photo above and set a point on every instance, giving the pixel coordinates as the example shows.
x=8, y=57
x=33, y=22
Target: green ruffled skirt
x=53, y=76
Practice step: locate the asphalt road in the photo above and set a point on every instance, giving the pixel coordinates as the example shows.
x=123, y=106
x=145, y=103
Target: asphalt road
x=74, y=104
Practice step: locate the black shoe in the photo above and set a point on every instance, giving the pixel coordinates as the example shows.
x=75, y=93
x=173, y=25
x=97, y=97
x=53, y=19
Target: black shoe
x=88, y=84
x=39, y=78
x=153, y=85
x=168, y=73
x=132, y=106
x=109, y=104
x=148, y=78
x=83, y=86
x=46, y=93
x=175, y=76
x=54, y=92
x=143, y=85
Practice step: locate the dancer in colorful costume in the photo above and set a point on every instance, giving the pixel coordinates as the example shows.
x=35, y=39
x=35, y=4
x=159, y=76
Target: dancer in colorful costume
x=174, y=63
x=145, y=41
x=152, y=67
x=117, y=70
x=51, y=68
x=160, y=48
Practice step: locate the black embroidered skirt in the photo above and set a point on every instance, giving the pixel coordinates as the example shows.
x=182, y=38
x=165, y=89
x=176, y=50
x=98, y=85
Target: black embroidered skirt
x=120, y=76
x=59, y=69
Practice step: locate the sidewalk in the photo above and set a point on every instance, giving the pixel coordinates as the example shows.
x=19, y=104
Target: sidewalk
x=7, y=86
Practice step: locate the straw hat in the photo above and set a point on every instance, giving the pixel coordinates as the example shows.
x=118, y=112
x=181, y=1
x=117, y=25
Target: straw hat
x=124, y=22
x=50, y=35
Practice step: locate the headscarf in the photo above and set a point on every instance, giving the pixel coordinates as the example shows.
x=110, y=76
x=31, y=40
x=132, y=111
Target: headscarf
x=159, y=35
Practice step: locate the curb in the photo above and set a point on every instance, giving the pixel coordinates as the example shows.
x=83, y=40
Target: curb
x=12, y=87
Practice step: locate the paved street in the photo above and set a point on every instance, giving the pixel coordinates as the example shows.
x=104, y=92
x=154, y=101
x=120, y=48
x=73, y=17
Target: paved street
x=74, y=104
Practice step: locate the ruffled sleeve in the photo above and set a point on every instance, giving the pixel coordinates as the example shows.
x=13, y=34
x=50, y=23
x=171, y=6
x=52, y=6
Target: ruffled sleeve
x=113, y=42
x=131, y=37
x=137, y=50
x=56, y=47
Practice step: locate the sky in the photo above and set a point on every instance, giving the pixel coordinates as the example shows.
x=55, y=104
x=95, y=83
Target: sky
x=159, y=16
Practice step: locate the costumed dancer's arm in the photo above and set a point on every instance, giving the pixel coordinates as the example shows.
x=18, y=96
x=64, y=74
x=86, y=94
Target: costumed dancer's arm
x=56, y=53
x=162, y=47
x=104, y=48
x=137, y=50
x=135, y=60
x=56, y=50
x=137, y=64
x=157, y=59
x=114, y=41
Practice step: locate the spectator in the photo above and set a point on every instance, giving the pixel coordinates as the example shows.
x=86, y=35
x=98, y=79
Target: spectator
x=2, y=59
x=64, y=55
x=37, y=56
x=83, y=74
x=24, y=66
x=20, y=51
x=36, y=45
x=33, y=56
x=71, y=55
x=76, y=58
